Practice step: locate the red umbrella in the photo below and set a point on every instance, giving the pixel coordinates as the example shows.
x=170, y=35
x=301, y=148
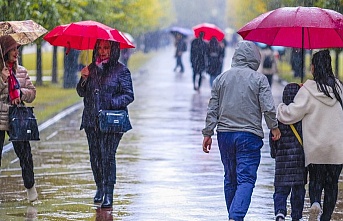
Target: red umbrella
x=297, y=27
x=83, y=35
x=210, y=31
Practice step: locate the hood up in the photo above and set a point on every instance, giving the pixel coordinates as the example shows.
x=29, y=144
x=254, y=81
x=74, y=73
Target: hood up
x=246, y=54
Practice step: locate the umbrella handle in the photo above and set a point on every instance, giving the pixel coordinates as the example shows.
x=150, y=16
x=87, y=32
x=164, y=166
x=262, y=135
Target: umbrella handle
x=68, y=48
x=2, y=56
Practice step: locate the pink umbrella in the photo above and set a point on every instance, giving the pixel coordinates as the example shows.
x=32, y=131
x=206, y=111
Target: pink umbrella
x=83, y=35
x=210, y=31
x=298, y=27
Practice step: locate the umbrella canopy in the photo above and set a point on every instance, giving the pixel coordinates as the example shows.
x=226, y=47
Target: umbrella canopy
x=83, y=35
x=210, y=31
x=185, y=32
x=297, y=27
x=24, y=32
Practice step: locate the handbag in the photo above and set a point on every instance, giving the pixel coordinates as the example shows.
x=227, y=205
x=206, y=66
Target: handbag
x=114, y=121
x=22, y=124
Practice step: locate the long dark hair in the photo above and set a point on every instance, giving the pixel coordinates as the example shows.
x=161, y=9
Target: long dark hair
x=114, y=55
x=323, y=75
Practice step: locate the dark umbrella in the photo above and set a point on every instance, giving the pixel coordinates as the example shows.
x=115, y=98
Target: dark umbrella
x=182, y=31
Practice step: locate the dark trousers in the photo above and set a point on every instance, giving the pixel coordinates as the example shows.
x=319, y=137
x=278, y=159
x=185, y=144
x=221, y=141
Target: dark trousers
x=197, y=85
x=23, y=151
x=297, y=200
x=179, y=63
x=102, y=150
x=324, y=177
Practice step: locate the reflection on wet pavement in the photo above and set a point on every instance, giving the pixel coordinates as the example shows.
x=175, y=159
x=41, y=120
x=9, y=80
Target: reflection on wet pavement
x=162, y=172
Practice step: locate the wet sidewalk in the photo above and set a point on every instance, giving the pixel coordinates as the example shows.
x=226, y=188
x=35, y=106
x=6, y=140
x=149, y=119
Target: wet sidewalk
x=162, y=173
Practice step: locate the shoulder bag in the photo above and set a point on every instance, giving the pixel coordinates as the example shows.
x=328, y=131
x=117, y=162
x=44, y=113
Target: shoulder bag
x=114, y=121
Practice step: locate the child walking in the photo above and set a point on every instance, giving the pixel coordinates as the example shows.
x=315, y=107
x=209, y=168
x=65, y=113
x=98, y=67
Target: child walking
x=290, y=172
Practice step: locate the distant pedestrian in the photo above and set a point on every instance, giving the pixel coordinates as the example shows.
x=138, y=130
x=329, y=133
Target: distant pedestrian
x=319, y=105
x=105, y=84
x=296, y=62
x=240, y=98
x=181, y=47
x=268, y=63
x=290, y=172
x=198, y=59
x=215, y=60
x=15, y=96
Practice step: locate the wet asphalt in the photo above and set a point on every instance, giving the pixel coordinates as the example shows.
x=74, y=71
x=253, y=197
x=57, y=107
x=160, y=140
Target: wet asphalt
x=162, y=173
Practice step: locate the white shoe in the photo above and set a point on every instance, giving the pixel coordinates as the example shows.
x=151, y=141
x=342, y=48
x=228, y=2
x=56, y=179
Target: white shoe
x=315, y=211
x=32, y=194
x=280, y=217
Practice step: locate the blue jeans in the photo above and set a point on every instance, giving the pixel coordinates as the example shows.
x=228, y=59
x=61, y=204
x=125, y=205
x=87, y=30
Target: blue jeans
x=240, y=154
x=297, y=200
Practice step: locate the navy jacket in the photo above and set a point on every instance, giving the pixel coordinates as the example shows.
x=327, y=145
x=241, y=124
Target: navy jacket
x=104, y=90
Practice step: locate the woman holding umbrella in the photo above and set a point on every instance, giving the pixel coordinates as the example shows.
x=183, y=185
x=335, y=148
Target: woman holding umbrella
x=105, y=84
x=319, y=105
x=25, y=91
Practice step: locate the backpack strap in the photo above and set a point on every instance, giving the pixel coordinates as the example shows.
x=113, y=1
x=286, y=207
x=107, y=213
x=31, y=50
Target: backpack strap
x=296, y=134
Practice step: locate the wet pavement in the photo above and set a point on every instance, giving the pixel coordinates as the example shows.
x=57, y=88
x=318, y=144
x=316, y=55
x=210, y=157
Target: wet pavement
x=162, y=173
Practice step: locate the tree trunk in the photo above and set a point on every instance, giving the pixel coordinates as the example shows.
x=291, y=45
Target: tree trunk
x=54, y=77
x=39, y=77
x=70, y=69
x=337, y=62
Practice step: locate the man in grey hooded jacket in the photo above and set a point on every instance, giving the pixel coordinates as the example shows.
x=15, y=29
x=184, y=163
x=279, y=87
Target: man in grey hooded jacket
x=240, y=97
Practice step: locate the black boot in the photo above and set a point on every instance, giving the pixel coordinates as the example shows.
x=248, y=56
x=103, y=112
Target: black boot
x=99, y=195
x=108, y=197
x=108, y=201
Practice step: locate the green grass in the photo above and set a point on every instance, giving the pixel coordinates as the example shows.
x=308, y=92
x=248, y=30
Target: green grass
x=52, y=98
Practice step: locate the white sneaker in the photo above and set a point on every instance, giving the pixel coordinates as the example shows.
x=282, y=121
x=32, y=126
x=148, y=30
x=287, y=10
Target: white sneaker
x=280, y=217
x=315, y=211
x=32, y=194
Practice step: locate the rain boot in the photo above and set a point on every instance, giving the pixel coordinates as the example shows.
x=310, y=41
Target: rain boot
x=99, y=195
x=108, y=197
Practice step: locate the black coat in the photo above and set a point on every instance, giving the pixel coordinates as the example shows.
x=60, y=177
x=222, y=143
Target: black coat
x=289, y=157
x=198, y=55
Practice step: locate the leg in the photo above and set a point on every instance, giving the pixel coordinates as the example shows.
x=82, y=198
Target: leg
x=297, y=201
x=228, y=158
x=23, y=151
x=248, y=155
x=109, y=145
x=200, y=79
x=181, y=64
x=316, y=183
x=95, y=159
x=2, y=139
x=280, y=199
x=194, y=79
x=330, y=190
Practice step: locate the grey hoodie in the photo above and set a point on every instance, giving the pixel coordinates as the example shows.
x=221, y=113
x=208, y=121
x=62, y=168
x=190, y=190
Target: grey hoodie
x=241, y=96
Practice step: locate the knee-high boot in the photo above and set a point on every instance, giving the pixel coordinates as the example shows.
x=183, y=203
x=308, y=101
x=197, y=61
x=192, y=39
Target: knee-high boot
x=108, y=197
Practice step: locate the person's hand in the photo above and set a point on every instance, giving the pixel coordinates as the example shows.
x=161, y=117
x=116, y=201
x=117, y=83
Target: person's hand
x=5, y=73
x=206, y=144
x=85, y=72
x=16, y=101
x=276, y=134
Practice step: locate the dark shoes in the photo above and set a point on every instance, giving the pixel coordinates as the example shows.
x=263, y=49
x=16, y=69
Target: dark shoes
x=99, y=195
x=108, y=201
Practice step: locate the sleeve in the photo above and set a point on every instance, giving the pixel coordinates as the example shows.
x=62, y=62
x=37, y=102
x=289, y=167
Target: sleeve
x=267, y=104
x=294, y=112
x=212, y=111
x=81, y=87
x=28, y=90
x=126, y=96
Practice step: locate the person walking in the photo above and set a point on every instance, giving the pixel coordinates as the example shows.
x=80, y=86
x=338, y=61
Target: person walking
x=105, y=84
x=296, y=62
x=198, y=56
x=181, y=47
x=290, y=171
x=25, y=92
x=268, y=63
x=215, y=60
x=240, y=97
x=319, y=105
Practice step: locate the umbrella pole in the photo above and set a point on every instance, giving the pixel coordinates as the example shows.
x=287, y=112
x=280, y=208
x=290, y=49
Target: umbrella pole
x=302, y=54
x=2, y=56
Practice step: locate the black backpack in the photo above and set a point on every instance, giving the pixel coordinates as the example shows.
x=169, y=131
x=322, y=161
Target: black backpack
x=268, y=61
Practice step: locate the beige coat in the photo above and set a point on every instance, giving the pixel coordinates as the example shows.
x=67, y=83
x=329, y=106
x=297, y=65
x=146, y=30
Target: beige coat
x=322, y=120
x=28, y=94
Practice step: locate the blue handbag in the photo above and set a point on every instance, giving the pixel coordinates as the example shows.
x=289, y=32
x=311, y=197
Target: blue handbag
x=114, y=121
